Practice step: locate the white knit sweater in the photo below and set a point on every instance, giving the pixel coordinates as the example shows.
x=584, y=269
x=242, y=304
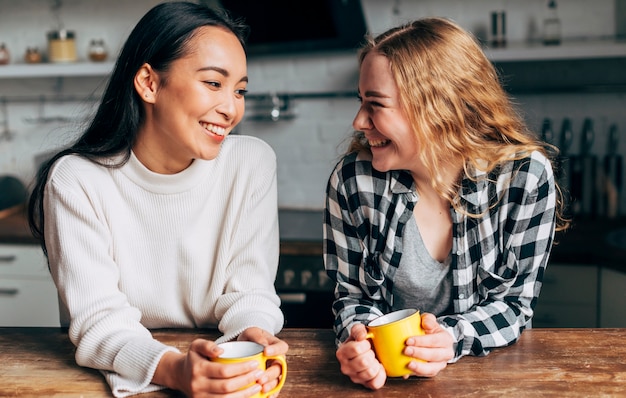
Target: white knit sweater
x=130, y=249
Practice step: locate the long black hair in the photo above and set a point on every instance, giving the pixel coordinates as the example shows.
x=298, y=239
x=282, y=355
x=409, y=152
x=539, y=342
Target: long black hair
x=159, y=38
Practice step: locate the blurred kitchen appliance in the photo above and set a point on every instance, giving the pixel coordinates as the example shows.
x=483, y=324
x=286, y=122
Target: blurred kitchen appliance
x=305, y=290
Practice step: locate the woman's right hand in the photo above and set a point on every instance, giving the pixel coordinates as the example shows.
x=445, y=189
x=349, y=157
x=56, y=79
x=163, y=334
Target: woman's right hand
x=358, y=361
x=195, y=375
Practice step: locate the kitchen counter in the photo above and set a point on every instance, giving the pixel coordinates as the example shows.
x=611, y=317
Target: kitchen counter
x=585, y=243
x=544, y=362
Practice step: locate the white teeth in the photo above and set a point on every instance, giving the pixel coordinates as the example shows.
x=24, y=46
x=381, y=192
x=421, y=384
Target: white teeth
x=378, y=143
x=215, y=129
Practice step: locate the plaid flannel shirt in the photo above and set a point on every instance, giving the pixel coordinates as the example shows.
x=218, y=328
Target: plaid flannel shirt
x=498, y=259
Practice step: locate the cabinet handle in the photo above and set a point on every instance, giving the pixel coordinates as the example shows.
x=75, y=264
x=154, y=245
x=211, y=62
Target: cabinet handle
x=8, y=291
x=8, y=258
x=292, y=298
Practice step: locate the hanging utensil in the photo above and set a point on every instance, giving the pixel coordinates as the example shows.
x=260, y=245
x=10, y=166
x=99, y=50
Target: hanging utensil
x=564, y=172
x=612, y=175
x=5, y=134
x=584, y=174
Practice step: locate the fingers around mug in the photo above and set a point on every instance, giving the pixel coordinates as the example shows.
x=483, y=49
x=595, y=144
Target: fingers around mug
x=277, y=362
x=231, y=370
x=205, y=348
x=276, y=347
x=374, y=378
x=352, y=349
x=426, y=369
x=358, y=332
x=228, y=378
x=365, y=362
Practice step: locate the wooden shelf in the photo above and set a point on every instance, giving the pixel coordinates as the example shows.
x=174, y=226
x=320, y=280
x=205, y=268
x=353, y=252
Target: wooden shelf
x=513, y=52
x=567, y=50
x=78, y=69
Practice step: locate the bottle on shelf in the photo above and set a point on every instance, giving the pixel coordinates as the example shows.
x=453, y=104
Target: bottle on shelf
x=5, y=56
x=552, y=25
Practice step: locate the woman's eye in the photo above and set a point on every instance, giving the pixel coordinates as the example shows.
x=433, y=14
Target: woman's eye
x=213, y=84
x=241, y=92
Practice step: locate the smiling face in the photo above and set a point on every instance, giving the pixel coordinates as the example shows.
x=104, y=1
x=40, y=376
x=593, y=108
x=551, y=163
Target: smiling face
x=194, y=105
x=382, y=119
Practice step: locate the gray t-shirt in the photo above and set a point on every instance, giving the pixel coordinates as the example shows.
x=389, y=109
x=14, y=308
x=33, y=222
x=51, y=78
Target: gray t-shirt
x=421, y=282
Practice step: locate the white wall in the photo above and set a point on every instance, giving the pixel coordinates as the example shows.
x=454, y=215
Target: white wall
x=308, y=145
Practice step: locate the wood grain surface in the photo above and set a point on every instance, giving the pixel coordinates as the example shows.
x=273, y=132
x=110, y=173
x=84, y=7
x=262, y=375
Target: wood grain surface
x=39, y=362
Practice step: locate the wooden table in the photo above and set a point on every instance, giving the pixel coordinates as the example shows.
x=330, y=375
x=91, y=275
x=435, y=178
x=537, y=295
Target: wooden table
x=544, y=363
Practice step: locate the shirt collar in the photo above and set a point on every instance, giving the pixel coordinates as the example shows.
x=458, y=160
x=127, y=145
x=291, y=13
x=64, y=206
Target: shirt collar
x=473, y=185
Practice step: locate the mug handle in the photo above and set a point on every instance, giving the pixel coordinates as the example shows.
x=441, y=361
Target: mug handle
x=283, y=374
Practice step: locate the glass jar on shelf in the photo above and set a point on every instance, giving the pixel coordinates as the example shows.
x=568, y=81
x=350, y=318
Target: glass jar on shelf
x=61, y=46
x=5, y=56
x=97, y=50
x=32, y=55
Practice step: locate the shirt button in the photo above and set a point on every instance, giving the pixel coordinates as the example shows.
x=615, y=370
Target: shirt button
x=459, y=252
x=461, y=296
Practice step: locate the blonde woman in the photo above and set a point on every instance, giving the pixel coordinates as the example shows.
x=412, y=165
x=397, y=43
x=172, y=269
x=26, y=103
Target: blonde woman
x=445, y=202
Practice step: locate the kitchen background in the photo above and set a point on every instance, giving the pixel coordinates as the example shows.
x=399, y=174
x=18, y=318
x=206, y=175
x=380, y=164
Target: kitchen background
x=582, y=80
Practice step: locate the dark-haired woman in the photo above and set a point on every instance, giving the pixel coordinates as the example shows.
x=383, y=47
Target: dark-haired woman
x=155, y=217
x=445, y=202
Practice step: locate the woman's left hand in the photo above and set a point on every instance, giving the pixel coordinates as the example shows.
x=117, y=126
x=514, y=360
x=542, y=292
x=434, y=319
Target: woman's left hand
x=273, y=346
x=435, y=347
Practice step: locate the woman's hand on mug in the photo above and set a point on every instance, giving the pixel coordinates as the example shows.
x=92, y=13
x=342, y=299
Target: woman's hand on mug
x=194, y=374
x=273, y=346
x=358, y=361
x=434, y=347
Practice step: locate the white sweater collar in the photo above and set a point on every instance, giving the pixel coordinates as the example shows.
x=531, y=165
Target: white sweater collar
x=166, y=183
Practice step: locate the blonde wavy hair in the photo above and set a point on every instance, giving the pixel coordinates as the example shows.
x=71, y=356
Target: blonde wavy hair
x=455, y=102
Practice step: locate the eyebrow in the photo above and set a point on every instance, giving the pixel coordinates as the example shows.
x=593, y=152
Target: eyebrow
x=374, y=94
x=221, y=71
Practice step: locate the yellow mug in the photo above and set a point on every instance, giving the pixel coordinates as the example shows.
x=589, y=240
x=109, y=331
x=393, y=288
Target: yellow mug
x=244, y=351
x=389, y=334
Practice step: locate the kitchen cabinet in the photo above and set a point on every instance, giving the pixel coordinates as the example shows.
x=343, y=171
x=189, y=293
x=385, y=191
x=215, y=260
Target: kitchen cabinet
x=612, y=299
x=28, y=296
x=569, y=297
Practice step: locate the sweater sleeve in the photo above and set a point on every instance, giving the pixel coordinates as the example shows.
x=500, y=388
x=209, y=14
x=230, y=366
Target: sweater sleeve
x=105, y=328
x=249, y=298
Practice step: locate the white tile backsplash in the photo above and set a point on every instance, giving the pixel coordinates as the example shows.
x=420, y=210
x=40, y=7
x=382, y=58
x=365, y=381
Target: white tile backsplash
x=308, y=145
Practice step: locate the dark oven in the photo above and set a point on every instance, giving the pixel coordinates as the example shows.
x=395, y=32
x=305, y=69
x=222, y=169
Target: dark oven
x=305, y=290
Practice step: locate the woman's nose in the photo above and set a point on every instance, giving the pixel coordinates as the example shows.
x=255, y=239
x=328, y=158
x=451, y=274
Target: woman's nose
x=228, y=107
x=361, y=121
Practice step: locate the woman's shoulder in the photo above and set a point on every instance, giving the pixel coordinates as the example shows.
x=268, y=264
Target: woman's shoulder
x=354, y=164
x=528, y=172
x=534, y=164
x=76, y=165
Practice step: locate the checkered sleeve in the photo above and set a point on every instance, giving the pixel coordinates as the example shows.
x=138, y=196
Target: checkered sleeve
x=358, y=294
x=508, y=257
